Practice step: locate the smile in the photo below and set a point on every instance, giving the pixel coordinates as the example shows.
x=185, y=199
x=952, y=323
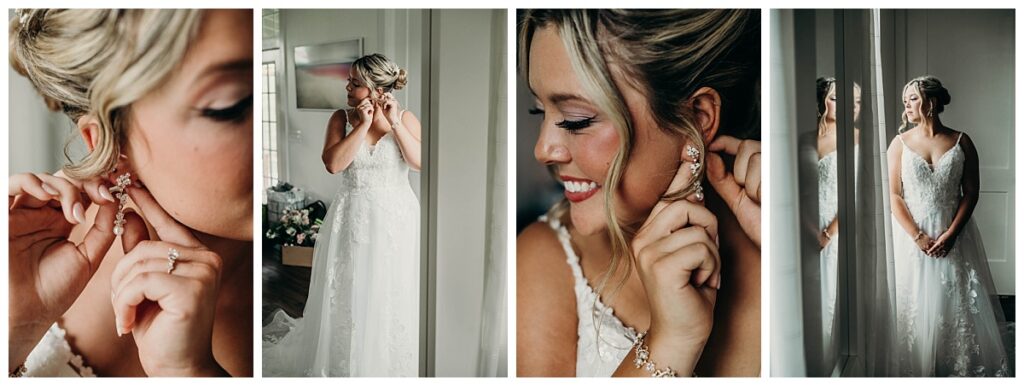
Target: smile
x=577, y=190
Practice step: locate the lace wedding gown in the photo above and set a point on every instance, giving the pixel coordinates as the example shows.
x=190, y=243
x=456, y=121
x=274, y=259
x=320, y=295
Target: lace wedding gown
x=361, y=316
x=949, y=321
x=828, y=208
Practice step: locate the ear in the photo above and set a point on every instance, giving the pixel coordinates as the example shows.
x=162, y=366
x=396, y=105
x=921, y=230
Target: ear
x=89, y=128
x=707, y=108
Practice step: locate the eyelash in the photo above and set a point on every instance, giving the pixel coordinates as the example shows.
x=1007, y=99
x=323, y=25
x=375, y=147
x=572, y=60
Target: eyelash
x=575, y=126
x=234, y=113
x=571, y=126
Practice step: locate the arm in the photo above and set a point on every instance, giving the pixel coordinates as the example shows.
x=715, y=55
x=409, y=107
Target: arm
x=545, y=306
x=899, y=207
x=407, y=133
x=340, y=149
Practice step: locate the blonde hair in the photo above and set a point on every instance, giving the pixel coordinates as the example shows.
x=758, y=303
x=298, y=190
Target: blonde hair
x=376, y=70
x=98, y=62
x=931, y=89
x=667, y=55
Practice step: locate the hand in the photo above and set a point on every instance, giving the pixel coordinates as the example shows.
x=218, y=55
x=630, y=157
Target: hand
x=942, y=245
x=47, y=271
x=170, y=314
x=391, y=109
x=676, y=256
x=824, y=238
x=365, y=108
x=741, y=189
x=924, y=243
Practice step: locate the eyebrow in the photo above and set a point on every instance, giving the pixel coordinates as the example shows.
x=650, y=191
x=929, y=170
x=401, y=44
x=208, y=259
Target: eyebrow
x=567, y=97
x=225, y=66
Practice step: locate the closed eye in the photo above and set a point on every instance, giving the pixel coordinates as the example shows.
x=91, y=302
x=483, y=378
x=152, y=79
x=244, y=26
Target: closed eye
x=574, y=126
x=235, y=112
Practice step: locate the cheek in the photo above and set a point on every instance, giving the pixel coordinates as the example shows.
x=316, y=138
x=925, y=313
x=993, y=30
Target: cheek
x=200, y=174
x=593, y=153
x=647, y=176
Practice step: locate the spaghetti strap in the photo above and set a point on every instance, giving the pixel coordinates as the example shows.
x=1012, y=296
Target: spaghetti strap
x=900, y=136
x=958, y=138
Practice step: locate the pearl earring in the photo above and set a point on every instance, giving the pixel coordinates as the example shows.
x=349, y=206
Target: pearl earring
x=122, y=199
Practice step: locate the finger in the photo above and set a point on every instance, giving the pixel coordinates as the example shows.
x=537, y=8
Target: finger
x=27, y=183
x=160, y=250
x=746, y=150
x=69, y=195
x=153, y=286
x=728, y=144
x=747, y=211
x=752, y=184
x=184, y=269
x=135, y=230
x=674, y=217
x=682, y=239
x=692, y=264
x=28, y=201
x=97, y=190
x=99, y=238
x=165, y=226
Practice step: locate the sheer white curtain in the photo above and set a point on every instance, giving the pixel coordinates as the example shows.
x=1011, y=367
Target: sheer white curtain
x=786, y=311
x=493, y=359
x=870, y=300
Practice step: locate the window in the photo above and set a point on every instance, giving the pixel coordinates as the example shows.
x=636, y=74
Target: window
x=271, y=152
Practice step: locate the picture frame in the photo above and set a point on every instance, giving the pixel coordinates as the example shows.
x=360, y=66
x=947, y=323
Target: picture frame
x=321, y=73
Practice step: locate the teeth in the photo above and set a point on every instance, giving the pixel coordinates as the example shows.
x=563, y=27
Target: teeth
x=577, y=186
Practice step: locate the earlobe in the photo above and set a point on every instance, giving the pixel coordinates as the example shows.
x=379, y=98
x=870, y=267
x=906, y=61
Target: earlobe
x=707, y=107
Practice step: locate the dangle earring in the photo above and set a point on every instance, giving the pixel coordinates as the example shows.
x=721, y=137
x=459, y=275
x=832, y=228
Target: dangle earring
x=122, y=199
x=694, y=154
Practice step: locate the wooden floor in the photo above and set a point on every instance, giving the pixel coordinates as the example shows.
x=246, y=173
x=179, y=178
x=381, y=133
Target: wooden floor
x=284, y=287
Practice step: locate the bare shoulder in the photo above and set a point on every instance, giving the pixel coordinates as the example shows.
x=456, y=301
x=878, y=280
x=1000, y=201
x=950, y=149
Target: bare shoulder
x=545, y=305
x=339, y=116
x=540, y=262
x=895, y=146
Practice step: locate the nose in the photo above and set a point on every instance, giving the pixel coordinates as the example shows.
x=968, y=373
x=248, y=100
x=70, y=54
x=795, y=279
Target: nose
x=550, y=147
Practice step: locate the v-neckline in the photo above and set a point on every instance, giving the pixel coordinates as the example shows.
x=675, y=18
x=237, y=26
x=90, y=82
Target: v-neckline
x=372, y=147
x=931, y=166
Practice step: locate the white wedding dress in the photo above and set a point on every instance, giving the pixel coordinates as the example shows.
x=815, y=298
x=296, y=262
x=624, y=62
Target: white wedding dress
x=362, y=313
x=603, y=341
x=949, y=321
x=828, y=208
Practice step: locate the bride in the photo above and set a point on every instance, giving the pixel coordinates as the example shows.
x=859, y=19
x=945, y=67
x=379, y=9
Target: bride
x=637, y=272
x=949, y=321
x=361, y=316
x=164, y=99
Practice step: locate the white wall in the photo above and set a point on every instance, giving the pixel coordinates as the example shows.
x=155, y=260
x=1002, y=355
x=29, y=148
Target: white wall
x=465, y=92
x=394, y=33
x=36, y=134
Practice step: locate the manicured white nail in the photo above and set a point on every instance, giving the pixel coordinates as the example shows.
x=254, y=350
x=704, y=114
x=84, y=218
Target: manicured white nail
x=77, y=211
x=105, y=193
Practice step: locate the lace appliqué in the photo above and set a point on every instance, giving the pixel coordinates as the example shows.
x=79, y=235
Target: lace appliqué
x=53, y=357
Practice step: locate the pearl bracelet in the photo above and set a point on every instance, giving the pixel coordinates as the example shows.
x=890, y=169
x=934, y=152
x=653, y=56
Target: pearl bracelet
x=643, y=359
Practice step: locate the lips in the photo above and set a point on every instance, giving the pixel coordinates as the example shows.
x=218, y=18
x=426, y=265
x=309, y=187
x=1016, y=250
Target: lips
x=579, y=189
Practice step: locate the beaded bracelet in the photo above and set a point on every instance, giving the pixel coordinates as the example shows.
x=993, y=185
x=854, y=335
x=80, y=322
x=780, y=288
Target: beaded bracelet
x=643, y=359
x=18, y=372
